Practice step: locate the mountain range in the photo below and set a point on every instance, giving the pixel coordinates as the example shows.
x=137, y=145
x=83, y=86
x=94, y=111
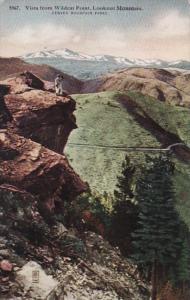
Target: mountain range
x=135, y=107
x=85, y=66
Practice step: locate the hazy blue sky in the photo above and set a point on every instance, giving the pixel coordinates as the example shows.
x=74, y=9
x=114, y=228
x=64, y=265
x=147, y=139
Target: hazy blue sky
x=160, y=30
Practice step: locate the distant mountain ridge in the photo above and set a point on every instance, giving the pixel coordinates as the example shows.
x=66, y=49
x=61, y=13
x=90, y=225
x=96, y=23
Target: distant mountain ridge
x=69, y=54
x=65, y=53
x=85, y=67
x=169, y=86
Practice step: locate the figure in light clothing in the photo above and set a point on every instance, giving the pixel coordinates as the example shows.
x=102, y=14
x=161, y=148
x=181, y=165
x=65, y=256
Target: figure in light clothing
x=59, y=82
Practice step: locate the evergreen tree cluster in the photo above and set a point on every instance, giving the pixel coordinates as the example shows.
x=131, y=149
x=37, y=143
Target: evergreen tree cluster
x=156, y=238
x=125, y=211
x=146, y=224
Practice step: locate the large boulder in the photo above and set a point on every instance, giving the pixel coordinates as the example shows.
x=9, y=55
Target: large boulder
x=42, y=172
x=38, y=114
x=37, y=284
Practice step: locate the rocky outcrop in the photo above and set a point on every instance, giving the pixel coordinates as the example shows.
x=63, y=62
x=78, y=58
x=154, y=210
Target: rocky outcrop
x=38, y=170
x=34, y=122
x=169, y=86
x=39, y=114
x=35, y=182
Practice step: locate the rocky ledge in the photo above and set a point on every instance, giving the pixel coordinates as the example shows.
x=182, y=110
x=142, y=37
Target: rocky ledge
x=37, y=113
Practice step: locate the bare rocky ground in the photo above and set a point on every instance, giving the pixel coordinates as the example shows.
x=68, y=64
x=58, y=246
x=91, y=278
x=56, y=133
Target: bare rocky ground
x=39, y=257
x=96, y=271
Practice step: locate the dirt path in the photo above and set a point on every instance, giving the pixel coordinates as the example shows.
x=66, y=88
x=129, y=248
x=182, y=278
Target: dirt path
x=125, y=148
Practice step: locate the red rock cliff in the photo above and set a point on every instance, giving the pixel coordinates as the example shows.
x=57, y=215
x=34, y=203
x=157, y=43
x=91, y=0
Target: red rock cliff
x=35, y=127
x=36, y=169
x=39, y=114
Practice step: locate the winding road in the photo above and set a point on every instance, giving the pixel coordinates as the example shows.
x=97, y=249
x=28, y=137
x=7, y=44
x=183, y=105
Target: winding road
x=125, y=148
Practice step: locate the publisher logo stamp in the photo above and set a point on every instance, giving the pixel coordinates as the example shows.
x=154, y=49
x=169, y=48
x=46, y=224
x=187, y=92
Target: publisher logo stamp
x=35, y=276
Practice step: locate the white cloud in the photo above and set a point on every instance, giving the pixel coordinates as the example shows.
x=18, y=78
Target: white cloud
x=30, y=38
x=39, y=36
x=105, y=41
x=168, y=37
x=52, y=36
x=171, y=24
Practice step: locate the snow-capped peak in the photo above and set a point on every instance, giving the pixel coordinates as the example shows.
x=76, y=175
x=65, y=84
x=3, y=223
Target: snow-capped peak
x=62, y=53
x=68, y=54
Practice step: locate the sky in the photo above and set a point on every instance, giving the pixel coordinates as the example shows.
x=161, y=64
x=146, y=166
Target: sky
x=161, y=30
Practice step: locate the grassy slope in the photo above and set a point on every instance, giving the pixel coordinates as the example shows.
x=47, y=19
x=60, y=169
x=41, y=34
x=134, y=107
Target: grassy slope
x=102, y=119
x=174, y=119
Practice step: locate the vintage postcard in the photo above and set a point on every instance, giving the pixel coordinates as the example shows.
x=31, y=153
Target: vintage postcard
x=95, y=149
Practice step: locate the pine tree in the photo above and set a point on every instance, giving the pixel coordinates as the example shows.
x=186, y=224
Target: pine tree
x=124, y=189
x=124, y=216
x=155, y=240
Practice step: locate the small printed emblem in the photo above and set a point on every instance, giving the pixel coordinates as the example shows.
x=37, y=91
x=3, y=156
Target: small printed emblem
x=35, y=276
